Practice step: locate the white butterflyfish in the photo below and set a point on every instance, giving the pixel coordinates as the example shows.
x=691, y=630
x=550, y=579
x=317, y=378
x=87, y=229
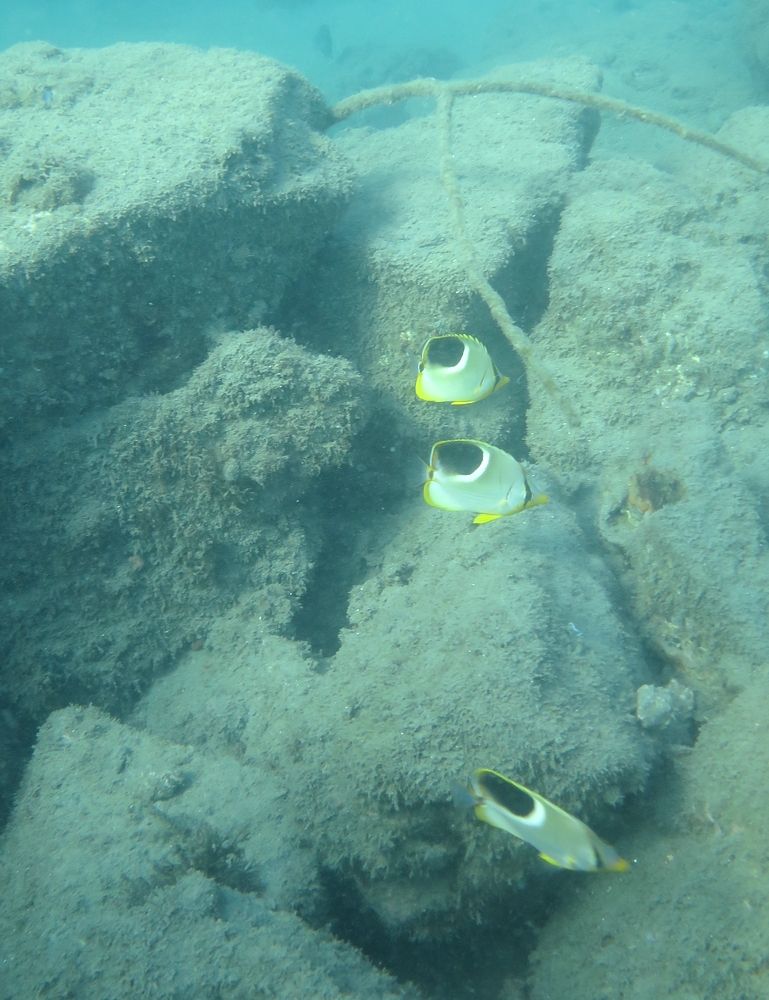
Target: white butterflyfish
x=456, y=368
x=561, y=839
x=467, y=475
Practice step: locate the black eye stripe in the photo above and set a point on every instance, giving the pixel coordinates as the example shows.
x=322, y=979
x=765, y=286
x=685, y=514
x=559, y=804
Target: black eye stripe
x=459, y=458
x=513, y=798
x=446, y=352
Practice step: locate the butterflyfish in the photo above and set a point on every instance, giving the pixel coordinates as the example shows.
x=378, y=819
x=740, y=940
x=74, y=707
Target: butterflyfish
x=561, y=839
x=457, y=369
x=465, y=475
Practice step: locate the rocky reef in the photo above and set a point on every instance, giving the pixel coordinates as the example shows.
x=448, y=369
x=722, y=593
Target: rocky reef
x=130, y=902
x=151, y=193
x=211, y=533
x=136, y=528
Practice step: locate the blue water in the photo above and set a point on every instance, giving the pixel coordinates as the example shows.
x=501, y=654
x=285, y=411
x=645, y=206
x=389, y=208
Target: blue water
x=690, y=44
x=283, y=31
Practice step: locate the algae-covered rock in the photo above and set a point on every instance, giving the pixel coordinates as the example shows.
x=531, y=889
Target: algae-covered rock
x=395, y=274
x=130, y=533
x=106, y=894
x=189, y=523
x=689, y=920
x=491, y=648
x=147, y=192
x=657, y=329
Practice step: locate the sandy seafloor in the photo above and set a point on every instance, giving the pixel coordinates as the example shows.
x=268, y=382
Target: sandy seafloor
x=250, y=659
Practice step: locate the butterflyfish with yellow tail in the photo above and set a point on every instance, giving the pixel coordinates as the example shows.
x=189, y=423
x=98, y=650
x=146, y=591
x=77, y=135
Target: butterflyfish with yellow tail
x=456, y=368
x=561, y=839
x=467, y=475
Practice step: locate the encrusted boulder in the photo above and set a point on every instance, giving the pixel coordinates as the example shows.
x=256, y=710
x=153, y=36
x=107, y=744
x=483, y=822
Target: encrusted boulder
x=689, y=920
x=148, y=193
x=658, y=332
x=134, y=530
x=394, y=273
x=132, y=901
x=497, y=648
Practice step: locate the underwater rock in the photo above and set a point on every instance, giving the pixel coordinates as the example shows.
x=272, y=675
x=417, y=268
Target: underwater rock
x=690, y=919
x=656, y=329
x=149, y=192
x=394, y=273
x=659, y=706
x=130, y=902
x=496, y=647
x=126, y=536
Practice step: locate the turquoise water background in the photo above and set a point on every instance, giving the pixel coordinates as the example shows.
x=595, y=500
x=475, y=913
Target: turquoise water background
x=693, y=42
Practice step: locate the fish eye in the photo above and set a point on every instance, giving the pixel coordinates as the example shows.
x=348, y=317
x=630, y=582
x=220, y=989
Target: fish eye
x=458, y=458
x=445, y=351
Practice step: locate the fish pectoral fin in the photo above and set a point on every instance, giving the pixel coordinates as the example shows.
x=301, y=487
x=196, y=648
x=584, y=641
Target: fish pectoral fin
x=462, y=797
x=485, y=518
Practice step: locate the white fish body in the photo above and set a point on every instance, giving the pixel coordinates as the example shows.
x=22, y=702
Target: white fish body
x=470, y=378
x=467, y=475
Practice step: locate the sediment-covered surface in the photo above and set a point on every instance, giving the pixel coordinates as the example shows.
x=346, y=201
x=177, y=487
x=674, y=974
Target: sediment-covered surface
x=343, y=653
x=106, y=892
x=490, y=648
x=658, y=330
x=689, y=920
x=155, y=197
x=149, y=192
x=394, y=274
x=658, y=323
x=134, y=530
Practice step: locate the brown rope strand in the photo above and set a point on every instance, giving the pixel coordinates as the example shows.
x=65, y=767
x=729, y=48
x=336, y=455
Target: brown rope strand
x=494, y=301
x=429, y=87
x=444, y=95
